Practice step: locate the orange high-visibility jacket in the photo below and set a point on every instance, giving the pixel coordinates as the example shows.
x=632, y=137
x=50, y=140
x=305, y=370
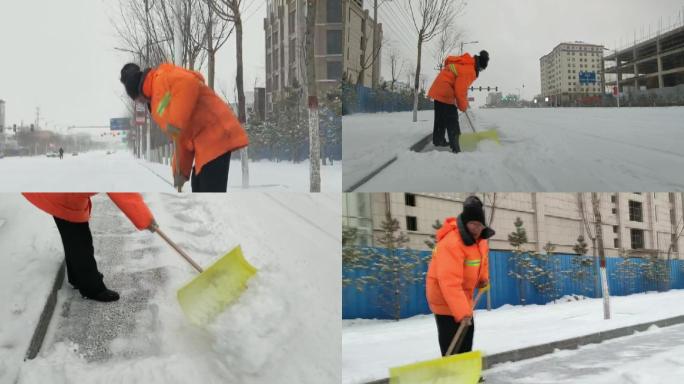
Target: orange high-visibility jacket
x=456, y=269
x=75, y=207
x=452, y=83
x=208, y=127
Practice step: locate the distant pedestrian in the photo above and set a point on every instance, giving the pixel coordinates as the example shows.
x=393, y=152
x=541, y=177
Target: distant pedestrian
x=460, y=263
x=61, y=153
x=71, y=212
x=450, y=93
x=203, y=127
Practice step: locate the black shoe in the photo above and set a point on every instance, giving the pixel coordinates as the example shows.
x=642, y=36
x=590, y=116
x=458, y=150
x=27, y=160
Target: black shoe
x=442, y=144
x=104, y=296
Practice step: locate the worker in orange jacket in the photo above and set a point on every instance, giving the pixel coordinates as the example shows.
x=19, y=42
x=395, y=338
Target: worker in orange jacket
x=450, y=93
x=71, y=212
x=203, y=127
x=459, y=265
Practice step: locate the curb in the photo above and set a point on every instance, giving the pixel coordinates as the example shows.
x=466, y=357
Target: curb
x=567, y=344
x=369, y=176
x=422, y=143
x=45, y=316
x=416, y=147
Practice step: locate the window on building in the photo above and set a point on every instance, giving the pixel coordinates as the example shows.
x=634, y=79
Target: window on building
x=410, y=199
x=334, y=11
x=291, y=22
x=334, y=69
x=334, y=46
x=615, y=229
x=613, y=198
x=616, y=243
x=635, y=211
x=411, y=223
x=637, y=238
x=614, y=211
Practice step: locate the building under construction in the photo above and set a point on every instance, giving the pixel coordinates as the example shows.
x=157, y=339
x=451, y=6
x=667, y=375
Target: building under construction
x=655, y=63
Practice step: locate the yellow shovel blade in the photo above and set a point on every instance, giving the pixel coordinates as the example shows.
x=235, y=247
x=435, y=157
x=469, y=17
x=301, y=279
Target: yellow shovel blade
x=211, y=291
x=464, y=368
x=469, y=140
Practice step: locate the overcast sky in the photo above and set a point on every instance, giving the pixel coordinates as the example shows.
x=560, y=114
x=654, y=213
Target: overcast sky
x=59, y=56
x=517, y=33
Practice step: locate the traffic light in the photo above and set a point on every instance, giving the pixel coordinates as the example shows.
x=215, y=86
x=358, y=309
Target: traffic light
x=480, y=89
x=487, y=89
x=496, y=89
x=31, y=127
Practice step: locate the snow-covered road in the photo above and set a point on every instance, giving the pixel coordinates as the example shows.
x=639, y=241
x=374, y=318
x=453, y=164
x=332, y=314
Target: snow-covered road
x=370, y=347
x=544, y=149
x=652, y=357
x=284, y=328
x=122, y=172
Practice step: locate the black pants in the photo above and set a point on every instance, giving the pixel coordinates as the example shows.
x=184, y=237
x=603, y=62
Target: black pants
x=214, y=175
x=446, y=329
x=446, y=119
x=79, y=255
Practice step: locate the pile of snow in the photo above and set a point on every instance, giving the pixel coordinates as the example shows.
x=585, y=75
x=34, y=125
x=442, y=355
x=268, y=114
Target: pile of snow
x=284, y=328
x=542, y=149
x=370, y=347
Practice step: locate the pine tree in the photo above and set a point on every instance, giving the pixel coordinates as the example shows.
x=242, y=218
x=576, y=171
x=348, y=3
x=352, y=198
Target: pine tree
x=433, y=239
x=583, y=271
x=353, y=257
x=394, y=267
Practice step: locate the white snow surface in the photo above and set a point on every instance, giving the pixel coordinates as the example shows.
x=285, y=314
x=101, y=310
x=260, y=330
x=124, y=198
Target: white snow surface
x=371, y=347
x=122, y=172
x=542, y=149
x=655, y=356
x=30, y=253
x=284, y=328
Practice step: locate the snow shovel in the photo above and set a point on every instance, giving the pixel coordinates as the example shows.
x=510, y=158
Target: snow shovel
x=463, y=368
x=209, y=293
x=468, y=141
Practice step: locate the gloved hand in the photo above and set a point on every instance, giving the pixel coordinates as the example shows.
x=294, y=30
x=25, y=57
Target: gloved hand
x=178, y=181
x=153, y=226
x=468, y=320
x=484, y=285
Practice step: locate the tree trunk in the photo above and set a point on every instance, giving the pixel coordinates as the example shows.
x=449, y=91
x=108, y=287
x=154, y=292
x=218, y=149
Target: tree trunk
x=312, y=91
x=375, y=80
x=417, y=80
x=602, y=255
x=211, y=52
x=242, y=113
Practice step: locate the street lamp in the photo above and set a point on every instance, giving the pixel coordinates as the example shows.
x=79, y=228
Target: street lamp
x=469, y=42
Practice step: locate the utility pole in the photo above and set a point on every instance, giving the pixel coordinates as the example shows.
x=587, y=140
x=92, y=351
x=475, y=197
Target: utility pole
x=602, y=255
x=376, y=72
x=617, y=76
x=147, y=64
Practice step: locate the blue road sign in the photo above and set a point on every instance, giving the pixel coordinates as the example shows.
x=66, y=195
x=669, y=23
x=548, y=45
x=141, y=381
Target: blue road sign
x=586, y=77
x=120, y=124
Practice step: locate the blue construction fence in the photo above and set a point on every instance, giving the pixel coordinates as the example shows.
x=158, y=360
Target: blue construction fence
x=625, y=277
x=356, y=99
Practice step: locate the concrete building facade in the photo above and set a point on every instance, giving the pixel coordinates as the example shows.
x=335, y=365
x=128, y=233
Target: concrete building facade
x=285, y=32
x=570, y=72
x=657, y=62
x=638, y=224
x=358, y=34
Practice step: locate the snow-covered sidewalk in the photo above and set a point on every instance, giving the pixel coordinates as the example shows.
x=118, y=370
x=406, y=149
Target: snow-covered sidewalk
x=370, y=347
x=542, y=149
x=652, y=357
x=122, y=172
x=284, y=328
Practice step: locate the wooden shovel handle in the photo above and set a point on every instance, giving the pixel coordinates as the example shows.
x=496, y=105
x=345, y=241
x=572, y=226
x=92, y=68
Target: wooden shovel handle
x=469, y=121
x=180, y=251
x=458, y=337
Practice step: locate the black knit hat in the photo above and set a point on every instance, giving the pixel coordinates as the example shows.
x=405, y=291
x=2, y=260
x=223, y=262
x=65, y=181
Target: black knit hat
x=482, y=60
x=131, y=78
x=473, y=210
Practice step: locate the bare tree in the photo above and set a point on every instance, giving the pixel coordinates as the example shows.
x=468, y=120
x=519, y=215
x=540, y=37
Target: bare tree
x=395, y=68
x=595, y=203
x=430, y=18
x=448, y=41
x=231, y=11
x=312, y=92
x=217, y=33
x=371, y=61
